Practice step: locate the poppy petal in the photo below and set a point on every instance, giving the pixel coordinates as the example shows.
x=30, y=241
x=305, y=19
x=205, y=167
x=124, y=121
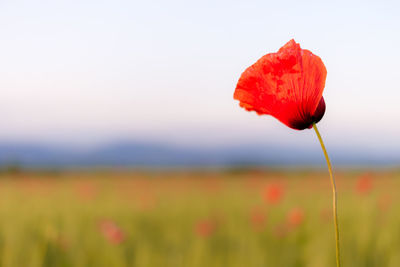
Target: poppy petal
x=287, y=85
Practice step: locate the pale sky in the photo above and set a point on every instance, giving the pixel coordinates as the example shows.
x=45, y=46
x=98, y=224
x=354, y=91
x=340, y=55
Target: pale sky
x=88, y=72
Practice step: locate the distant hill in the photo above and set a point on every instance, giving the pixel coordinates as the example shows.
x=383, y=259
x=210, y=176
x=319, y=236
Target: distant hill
x=131, y=153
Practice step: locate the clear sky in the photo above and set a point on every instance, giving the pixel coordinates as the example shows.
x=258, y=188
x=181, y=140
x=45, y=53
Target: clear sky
x=87, y=72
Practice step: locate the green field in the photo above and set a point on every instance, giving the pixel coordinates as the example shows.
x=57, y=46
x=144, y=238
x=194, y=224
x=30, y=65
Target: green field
x=197, y=218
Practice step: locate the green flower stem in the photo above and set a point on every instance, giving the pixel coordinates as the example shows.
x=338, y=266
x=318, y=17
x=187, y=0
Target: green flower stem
x=335, y=216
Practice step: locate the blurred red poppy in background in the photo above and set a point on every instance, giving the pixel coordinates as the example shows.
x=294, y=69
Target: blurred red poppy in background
x=205, y=227
x=273, y=193
x=112, y=232
x=287, y=85
x=364, y=184
x=86, y=190
x=258, y=218
x=295, y=217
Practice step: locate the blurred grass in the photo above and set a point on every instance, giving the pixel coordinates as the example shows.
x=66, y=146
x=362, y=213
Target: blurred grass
x=195, y=218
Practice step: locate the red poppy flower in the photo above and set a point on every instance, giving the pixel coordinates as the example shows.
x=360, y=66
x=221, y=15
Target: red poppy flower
x=287, y=85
